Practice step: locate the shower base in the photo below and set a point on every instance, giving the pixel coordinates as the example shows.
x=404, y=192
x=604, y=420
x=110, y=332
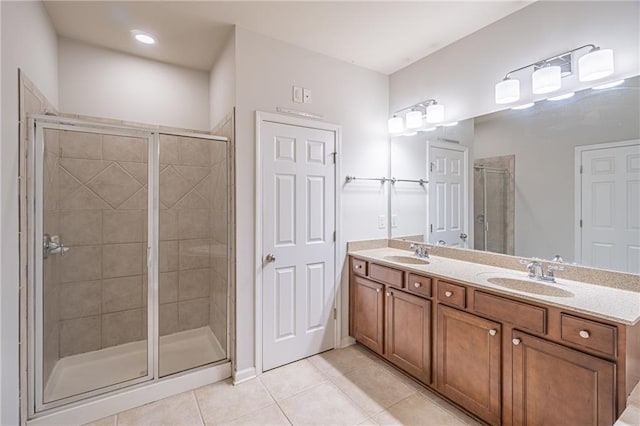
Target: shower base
x=77, y=374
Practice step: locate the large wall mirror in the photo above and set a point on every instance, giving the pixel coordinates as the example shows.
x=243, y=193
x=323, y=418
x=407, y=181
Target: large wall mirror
x=558, y=178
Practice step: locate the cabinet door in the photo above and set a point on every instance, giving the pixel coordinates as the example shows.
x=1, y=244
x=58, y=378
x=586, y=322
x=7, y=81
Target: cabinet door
x=468, y=362
x=368, y=314
x=555, y=385
x=408, y=333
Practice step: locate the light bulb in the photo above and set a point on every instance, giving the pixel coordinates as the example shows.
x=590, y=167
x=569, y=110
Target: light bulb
x=435, y=113
x=414, y=119
x=546, y=80
x=595, y=65
x=395, y=125
x=507, y=91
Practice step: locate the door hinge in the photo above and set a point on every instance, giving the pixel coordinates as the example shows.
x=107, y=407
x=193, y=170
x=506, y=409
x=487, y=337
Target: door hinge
x=430, y=167
x=581, y=169
x=334, y=155
x=431, y=227
x=580, y=223
x=335, y=313
x=334, y=236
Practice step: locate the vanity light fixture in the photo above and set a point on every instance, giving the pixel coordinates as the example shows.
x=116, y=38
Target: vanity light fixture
x=415, y=118
x=562, y=97
x=143, y=37
x=547, y=73
x=608, y=85
x=524, y=106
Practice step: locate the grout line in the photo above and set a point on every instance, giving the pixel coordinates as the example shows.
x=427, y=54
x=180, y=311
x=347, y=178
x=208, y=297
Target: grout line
x=197, y=405
x=276, y=401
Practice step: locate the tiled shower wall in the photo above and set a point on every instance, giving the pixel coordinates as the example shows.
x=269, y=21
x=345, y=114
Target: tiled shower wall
x=102, y=188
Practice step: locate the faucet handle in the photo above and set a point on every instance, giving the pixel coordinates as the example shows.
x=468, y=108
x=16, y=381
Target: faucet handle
x=525, y=261
x=552, y=268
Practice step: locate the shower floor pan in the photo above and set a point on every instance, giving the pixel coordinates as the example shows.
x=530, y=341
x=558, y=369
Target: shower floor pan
x=77, y=374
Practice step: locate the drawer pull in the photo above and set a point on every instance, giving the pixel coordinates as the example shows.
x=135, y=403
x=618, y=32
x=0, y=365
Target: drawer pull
x=516, y=341
x=377, y=290
x=448, y=293
x=358, y=266
x=584, y=334
x=417, y=285
x=493, y=332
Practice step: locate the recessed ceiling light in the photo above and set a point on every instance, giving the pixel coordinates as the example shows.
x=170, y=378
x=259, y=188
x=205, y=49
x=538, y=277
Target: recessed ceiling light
x=143, y=37
x=609, y=85
x=524, y=106
x=562, y=97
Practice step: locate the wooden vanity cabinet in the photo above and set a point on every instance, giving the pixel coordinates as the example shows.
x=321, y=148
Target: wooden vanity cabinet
x=368, y=313
x=555, y=385
x=408, y=333
x=468, y=362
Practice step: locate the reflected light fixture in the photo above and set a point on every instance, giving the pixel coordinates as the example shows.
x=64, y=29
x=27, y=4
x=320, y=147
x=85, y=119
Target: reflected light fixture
x=143, y=37
x=415, y=118
x=548, y=73
x=562, y=97
x=523, y=106
x=453, y=123
x=608, y=85
x=428, y=129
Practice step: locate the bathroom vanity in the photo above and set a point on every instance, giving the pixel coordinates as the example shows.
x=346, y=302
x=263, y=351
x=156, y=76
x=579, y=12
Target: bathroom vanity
x=508, y=349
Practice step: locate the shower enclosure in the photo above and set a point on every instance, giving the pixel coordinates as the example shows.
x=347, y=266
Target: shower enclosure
x=129, y=261
x=494, y=205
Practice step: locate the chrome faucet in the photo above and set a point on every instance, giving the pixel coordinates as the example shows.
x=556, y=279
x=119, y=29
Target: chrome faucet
x=421, y=250
x=536, y=270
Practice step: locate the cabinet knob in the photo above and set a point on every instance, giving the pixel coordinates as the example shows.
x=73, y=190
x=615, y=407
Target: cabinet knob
x=584, y=334
x=417, y=285
x=377, y=290
x=516, y=342
x=448, y=293
x=493, y=332
x=388, y=293
x=358, y=266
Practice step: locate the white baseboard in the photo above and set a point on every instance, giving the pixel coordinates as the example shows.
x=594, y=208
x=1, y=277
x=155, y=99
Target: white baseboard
x=104, y=406
x=244, y=375
x=347, y=341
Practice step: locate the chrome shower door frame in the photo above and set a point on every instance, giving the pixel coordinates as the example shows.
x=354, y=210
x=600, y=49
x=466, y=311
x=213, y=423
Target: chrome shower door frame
x=35, y=292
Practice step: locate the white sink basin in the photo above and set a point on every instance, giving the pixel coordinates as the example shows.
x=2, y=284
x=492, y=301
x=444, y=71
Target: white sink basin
x=406, y=259
x=530, y=286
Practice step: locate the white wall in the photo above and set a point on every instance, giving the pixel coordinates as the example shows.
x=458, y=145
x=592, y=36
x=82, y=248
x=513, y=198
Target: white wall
x=351, y=96
x=29, y=42
x=462, y=75
x=222, y=82
x=104, y=83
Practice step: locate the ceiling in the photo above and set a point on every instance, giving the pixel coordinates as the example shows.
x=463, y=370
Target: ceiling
x=384, y=36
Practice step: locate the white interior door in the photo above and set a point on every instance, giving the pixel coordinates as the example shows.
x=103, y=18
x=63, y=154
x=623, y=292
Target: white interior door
x=448, y=195
x=298, y=248
x=610, y=207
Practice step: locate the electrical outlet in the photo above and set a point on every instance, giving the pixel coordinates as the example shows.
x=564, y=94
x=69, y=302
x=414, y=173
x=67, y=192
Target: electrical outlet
x=298, y=94
x=306, y=94
x=381, y=222
x=394, y=221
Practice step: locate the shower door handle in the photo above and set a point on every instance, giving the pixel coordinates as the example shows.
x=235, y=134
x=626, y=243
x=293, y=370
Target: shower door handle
x=463, y=236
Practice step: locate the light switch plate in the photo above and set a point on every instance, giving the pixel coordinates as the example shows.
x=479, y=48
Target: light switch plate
x=394, y=221
x=297, y=94
x=306, y=94
x=381, y=222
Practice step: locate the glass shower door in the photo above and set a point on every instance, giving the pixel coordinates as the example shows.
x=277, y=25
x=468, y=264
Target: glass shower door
x=91, y=328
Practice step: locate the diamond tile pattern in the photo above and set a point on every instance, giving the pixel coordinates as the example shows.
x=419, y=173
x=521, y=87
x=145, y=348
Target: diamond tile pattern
x=114, y=185
x=173, y=186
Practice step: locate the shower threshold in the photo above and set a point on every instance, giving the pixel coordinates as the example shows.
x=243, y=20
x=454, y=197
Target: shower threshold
x=77, y=374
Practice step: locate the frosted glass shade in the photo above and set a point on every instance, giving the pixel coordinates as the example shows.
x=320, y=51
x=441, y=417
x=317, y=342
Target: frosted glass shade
x=595, y=65
x=507, y=91
x=414, y=119
x=435, y=113
x=546, y=80
x=395, y=125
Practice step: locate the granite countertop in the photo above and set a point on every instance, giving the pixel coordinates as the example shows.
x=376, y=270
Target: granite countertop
x=606, y=302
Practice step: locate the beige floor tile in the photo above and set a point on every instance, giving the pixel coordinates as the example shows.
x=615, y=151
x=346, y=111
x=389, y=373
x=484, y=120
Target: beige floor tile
x=341, y=361
x=369, y=422
x=180, y=409
x=630, y=417
x=373, y=388
x=224, y=402
x=107, y=421
x=291, y=379
x=634, y=398
x=417, y=410
x=269, y=416
x=448, y=407
x=324, y=404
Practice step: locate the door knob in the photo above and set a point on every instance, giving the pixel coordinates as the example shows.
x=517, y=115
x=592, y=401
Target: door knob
x=270, y=258
x=463, y=236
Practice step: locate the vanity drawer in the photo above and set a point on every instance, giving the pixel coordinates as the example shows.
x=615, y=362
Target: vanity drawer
x=452, y=294
x=359, y=267
x=521, y=315
x=390, y=276
x=589, y=334
x=419, y=285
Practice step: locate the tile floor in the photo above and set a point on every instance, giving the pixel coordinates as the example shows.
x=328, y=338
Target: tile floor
x=347, y=386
